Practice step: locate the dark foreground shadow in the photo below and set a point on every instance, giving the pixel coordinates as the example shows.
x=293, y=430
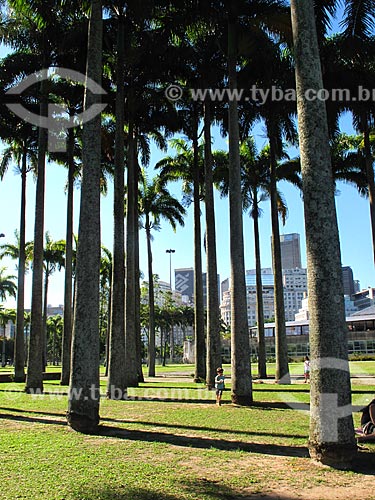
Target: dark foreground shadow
x=202, y=442
x=202, y=488
x=364, y=462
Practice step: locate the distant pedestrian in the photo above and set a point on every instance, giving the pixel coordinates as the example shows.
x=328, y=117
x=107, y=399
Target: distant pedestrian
x=306, y=369
x=219, y=385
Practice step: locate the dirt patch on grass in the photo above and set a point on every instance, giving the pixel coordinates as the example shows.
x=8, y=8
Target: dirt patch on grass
x=258, y=476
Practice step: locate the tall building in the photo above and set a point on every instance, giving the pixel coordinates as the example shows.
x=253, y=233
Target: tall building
x=295, y=288
x=290, y=251
x=184, y=283
x=348, y=281
x=224, y=287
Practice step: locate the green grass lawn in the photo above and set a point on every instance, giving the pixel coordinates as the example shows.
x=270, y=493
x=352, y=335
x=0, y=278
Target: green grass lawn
x=364, y=368
x=169, y=441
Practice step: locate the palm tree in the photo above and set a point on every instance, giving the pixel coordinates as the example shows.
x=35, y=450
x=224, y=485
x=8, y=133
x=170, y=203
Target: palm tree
x=106, y=264
x=22, y=252
x=331, y=438
x=8, y=288
x=240, y=345
x=188, y=165
x=156, y=204
x=83, y=409
x=213, y=311
x=71, y=160
x=116, y=385
x=255, y=171
x=6, y=315
x=54, y=337
x=53, y=257
x=22, y=150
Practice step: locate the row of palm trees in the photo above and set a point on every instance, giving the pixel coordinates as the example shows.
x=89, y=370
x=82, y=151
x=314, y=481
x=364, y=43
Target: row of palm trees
x=202, y=44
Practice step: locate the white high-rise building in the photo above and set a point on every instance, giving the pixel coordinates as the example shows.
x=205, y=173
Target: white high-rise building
x=295, y=286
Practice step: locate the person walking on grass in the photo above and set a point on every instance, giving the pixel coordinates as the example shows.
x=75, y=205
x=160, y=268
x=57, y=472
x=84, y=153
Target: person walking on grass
x=306, y=369
x=219, y=385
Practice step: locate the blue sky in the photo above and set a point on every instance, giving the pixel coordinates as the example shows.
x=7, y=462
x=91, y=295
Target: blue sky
x=352, y=211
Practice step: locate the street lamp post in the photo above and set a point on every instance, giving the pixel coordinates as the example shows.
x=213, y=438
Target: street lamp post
x=170, y=251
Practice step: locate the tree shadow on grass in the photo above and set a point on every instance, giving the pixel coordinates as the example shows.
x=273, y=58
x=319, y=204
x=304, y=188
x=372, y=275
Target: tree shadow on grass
x=37, y=420
x=201, y=487
x=202, y=442
x=151, y=423
x=111, y=493
x=201, y=428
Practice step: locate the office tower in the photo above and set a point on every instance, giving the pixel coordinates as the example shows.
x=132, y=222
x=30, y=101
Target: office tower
x=290, y=251
x=184, y=281
x=348, y=280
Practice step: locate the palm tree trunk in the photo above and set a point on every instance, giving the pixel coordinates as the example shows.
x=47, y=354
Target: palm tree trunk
x=171, y=343
x=240, y=345
x=107, y=334
x=116, y=386
x=68, y=285
x=131, y=272
x=151, y=304
x=262, y=366
x=34, y=378
x=45, y=306
x=19, y=342
x=281, y=346
x=138, y=311
x=369, y=161
x=200, y=343
x=331, y=438
x=84, y=391
x=213, y=311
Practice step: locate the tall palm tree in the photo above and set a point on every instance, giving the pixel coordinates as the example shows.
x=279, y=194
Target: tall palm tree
x=72, y=160
x=188, y=165
x=22, y=150
x=84, y=398
x=255, y=187
x=213, y=312
x=116, y=386
x=331, y=438
x=156, y=204
x=240, y=345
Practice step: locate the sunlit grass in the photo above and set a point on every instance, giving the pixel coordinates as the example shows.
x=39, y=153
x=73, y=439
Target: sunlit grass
x=166, y=442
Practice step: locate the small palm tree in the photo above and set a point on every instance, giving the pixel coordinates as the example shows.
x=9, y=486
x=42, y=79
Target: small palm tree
x=54, y=331
x=6, y=315
x=53, y=256
x=156, y=204
x=8, y=287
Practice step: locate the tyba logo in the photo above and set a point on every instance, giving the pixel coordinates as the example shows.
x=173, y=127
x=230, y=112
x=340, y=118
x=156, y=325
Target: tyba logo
x=58, y=120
